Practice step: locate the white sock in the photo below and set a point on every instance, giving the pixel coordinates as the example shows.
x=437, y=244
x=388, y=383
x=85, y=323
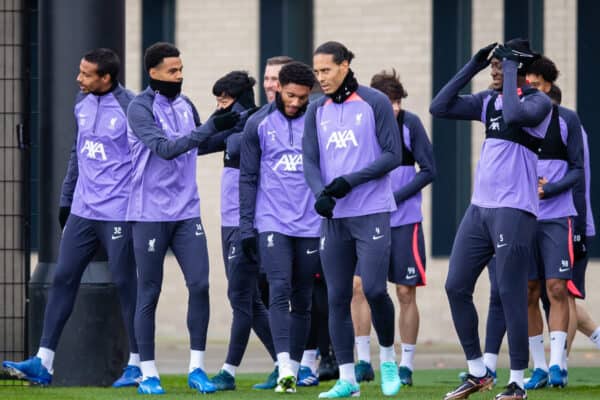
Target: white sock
x=229, y=369
x=309, y=359
x=565, y=360
x=134, y=359
x=387, y=354
x=284, y=361
x=476, y=367
x=517, y=376
x=536, y=348
x=408, y=354
x=294, y=367
x=347, y=373
x=149, y=369
x=557, y=347
x=47, y=357
x=595, y=337
x=196, y=360
x=490, y=360
x=363, y=348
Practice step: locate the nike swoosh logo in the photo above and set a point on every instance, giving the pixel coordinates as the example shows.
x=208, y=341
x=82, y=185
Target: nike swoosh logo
x=116, y=237
x=501, y=245
x=231, y=257
x=561, y=269
x=199, y=233
x=495, y=119
x=377, y=237
x=309, y=252
x=410, y=276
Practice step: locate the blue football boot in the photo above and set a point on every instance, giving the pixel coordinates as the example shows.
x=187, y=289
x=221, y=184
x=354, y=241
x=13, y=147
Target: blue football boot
x=31, y=370
x=306, y=377
x=150, y=385
x=132, y=376
x=198, y=380
x=364, y=371
x=223, y=381
x=538, y=380
x=270, y=383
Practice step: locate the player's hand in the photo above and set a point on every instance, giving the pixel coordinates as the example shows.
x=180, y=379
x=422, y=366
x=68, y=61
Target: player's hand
x=579, y=246
x=226, y=120
x=250, y=247
x=63, y=216
x=338, y=188
x=324, y=205
x=506, y=53
x=541, y=182
x=483, y=55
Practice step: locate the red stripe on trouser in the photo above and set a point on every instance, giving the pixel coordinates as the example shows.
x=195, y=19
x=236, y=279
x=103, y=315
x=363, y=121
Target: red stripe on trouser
x=417, y=256
x=570, y=285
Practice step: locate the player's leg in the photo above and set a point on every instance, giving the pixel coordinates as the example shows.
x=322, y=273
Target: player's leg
x=535, y=330
x=361, y=319
x=555, y=245
x=373, y=241
x=513, y=232
x=307, y=374
x=495, y=326
x=117, y=239
x=407, y=271
x=77, y=247
x=328, y=367
x=276, y=255
x=150, y=243
x=189, y=246
x=338, y=258
x=471, y=251
x=239, y=292
x=306, y=264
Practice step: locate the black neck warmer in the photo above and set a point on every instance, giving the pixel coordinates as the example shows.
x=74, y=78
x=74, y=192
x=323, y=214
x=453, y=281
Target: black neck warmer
x=348, y=86
x=168, y=89
x=112, y=87
x=281, y=107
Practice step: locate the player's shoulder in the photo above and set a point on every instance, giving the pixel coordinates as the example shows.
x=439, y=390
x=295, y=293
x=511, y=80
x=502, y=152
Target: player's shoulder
x=567, y=113
x=142, y=103
x=371, y=96
x=259, y=116
x=146, y=97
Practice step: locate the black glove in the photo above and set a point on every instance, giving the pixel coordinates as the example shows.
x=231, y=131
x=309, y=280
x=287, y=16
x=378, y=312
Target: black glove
x=224, y=121
x=249, y=247
x=483, y=55
x=324, y=205
x=579, y=246
x=503, y=52
x=339, y=187
x=63, y=215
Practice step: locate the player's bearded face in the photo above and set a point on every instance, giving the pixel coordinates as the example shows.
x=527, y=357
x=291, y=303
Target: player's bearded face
x=88, y=79
x=294, y=98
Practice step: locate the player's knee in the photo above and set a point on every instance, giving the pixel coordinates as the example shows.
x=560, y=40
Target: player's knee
x=357, y=288
x=406, y=294
x=375, y=292
x=279, y=291
x=454, y=291
x=533, y=292
x=198, y=288
x=557, y=290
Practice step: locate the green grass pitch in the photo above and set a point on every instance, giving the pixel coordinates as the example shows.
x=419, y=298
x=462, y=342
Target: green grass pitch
x=584, y=383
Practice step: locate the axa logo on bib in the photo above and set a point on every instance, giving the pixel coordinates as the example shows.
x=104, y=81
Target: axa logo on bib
x=95, y=150
x=289, y=162
x=342, y=139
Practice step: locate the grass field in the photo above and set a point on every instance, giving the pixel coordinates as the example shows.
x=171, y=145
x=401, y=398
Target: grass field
x=584, y=383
